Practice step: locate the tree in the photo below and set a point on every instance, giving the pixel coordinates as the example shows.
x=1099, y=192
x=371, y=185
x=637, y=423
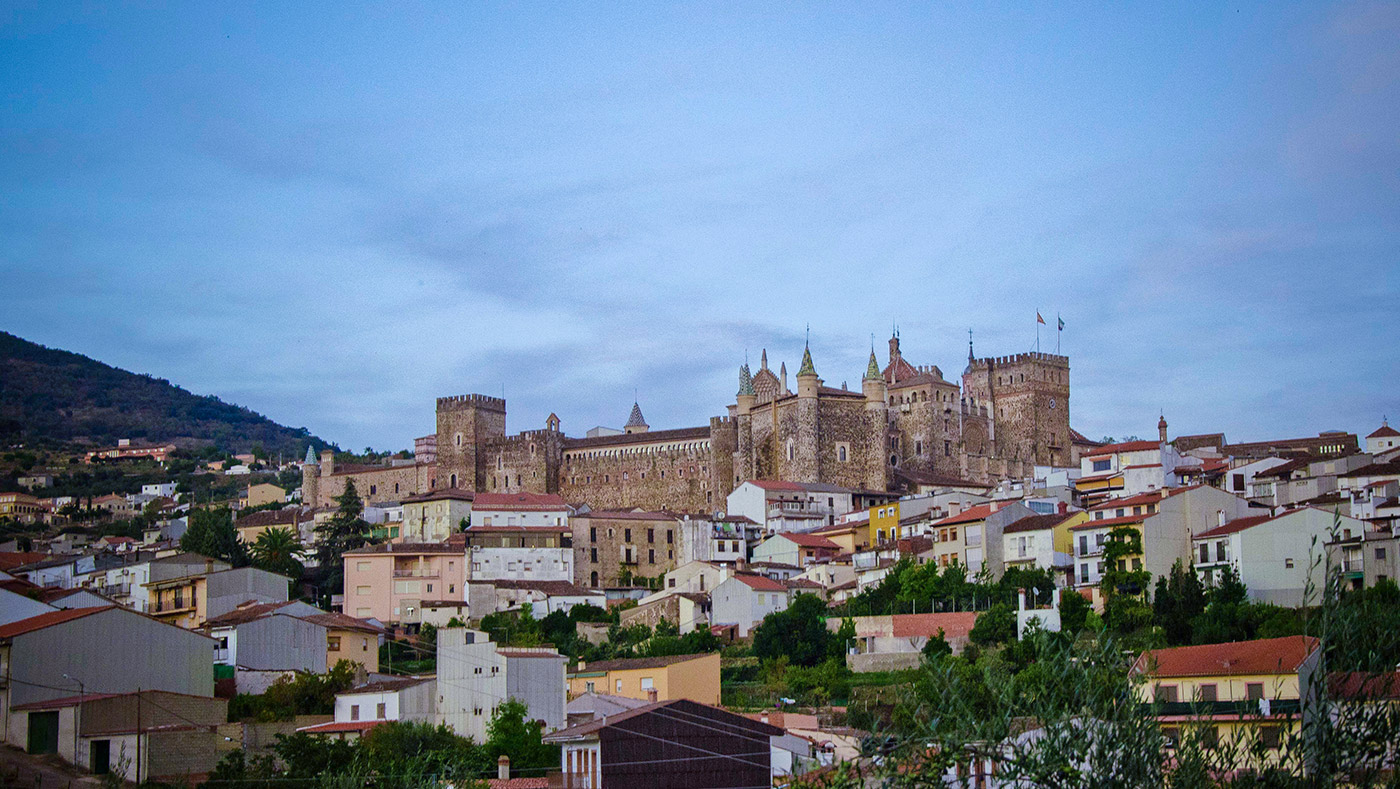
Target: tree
x=799, y=632
x=344, y=531
x=1179, y=598
x=1074, y=611
x=275, y=550
x=211, y=533
x=997, y=625
x=510, y=733
x=937, y=646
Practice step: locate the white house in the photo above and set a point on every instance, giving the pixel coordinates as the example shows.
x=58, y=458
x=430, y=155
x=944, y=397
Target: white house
x=1276, y=556
x=1127, y=469
x=409, y=699
x=436, y=515
x=744, y=599
x=475, y=675
x=163, y=489
x=701, y=577
x=519, y=509
x=520, y=553
x=789, y=506
x=1384, y=439
x=795, y=549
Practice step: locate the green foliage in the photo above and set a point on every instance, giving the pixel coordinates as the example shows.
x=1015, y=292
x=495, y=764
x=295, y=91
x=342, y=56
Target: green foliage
x=798, y=633
x=510, y=733
x=211, y=533
x=275, y=550
x=304, y=693
x=1178, y=599
x=344, y=531
x=937, y=647
x=53, y=396
x=403, y=750
x=1074, y=611
x=996, y=625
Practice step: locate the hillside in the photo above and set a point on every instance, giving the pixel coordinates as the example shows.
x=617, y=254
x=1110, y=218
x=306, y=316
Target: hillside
x=49, y=395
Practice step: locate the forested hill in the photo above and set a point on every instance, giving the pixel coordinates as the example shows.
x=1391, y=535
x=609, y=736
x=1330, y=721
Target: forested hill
x=48, y=395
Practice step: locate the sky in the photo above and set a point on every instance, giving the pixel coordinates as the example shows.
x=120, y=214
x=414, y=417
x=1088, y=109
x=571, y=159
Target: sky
x=334, y=213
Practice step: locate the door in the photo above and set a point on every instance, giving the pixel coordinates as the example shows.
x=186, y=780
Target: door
x=100, y=757
x=43, y=732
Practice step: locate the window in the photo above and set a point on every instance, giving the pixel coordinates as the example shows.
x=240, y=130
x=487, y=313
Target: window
x=841, y=454
x=947, y=449
x=1380, y=554
x=363, y=591
x=362, y=566
x=589, y=686
x=670, y=538
x=1103, y=465
x=592, y=533
x=647, y=684
x=1172, y=735
x=651, y=535
x=619, y=687
x=1210, y=737
x=626, y=535
x=1254, y=691
x=354, y=712
x=379, y=711
x=918, y=447
x=1271, y=737
x=1205, y=553
x=1165, y=694
x=333, y=643
x=364, y=644
x=651, y=556
x=1206, y=692
x=1288, y=564
x=593, y=555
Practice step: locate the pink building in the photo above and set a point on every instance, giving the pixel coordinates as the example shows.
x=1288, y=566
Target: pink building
x=390, y=582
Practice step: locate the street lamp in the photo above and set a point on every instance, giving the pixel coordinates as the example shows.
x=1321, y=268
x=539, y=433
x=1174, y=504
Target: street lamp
x=77, y=713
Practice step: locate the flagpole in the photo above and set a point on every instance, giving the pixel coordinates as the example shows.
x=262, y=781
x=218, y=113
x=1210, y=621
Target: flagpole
x=1059, y=329
x=1037, y=331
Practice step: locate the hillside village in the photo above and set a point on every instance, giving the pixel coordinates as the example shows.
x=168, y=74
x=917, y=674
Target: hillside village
x=243, y=618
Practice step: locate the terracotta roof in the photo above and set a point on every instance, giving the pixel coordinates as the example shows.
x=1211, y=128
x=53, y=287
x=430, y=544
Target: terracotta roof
x=1360, y=685
x=978, y=513
x=406, y=548
x=649, y=437
x=457, y=494
x=1102, y=522
x=547, y=587
x=1262, y=656
x=806, y=487
x=809, y=540
x=272, y=518
x=1385, y=431
x=12, y=559
x=1130, y=501
x=1236, y=525
x=591, y=727
x=760, y=583
x=802, y=583
x=1037, y=522
x=334, y=621
x=538, y=782
x=244, y=614
x=1125, y=446
x=953, y=623
x=340, y=726
x=1285, y=469
x=49, y=619
x=626, y=664
x=1375, y=470
x=619, y=515
x=519, y=501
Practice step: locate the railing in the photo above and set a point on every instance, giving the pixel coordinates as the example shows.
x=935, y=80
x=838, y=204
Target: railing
x=416, y=573
x=178, y=605
x=1352, y=566
x=220, y=655
x=114, y=590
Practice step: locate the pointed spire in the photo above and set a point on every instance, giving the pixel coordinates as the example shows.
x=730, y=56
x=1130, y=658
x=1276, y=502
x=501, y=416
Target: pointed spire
x=969, y=344
x=763, y=361
x=636, y=420
x=807, y=368
x=872, y=370
x=310, y=455
x=745, y=380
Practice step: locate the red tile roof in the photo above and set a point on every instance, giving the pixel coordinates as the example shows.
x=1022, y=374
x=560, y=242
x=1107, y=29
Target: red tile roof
x=978, y=513
x=340, y=726
x=1126, y=446
x=955, y=624
x=1262, y=656
x=760, y=583
x=1130, y=501
x=809, y=540
x=49, y=619
x=1037, y=522
x=538, y=782
x=1102, y=522
x=1385, y=431
x=1236, y=525
x=519, y=501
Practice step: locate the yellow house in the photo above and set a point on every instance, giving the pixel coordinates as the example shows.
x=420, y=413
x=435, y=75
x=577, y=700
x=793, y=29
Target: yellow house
x=884, y=523
x=1246, y=692
x=693, y=677
x=180, y=601
x=1044, y=541
x=852, y=536
x=348, y=638
x=265, y=493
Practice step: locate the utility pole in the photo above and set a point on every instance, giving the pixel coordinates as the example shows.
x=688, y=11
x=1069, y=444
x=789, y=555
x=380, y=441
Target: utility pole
x=138, y=736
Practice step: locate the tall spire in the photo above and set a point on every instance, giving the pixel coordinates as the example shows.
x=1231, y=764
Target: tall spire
x=807, y=367
x=745, y=380
x=310, y=455
x=872, y=370
x=969, y=344
x=763, y=361
x=635, y=419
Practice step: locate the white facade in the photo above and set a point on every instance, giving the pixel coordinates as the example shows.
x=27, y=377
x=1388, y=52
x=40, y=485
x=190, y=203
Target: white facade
x=474, y=676
x=520, y=564
x=165, y=489
x=744, y=601
x=700, y=577
x=789, y=506
x=523, y=517
x=385, y=702
x=126, y=584
x=1276, y=558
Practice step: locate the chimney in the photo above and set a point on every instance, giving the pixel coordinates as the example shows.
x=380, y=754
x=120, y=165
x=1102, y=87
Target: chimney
x=1063, y=508
x=1220, y=517
x=651, y=695
x=954, y=508
x=503, y=768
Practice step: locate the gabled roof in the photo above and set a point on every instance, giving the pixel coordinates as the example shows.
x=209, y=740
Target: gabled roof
x=334, y=727
x=978, y=513
x=49, y=619
x=245, y=613
x=1375, y=470
x=519, y=501
x=759, y=583
x=1236, y=525
x=1130, y=501
x=289, y=515
x=386, y=685
x=805, y=487
x=1385, y=431
x=808, y=540
x=334, y=621
x=1104, y=522
x=626, y=664
x=1262, y=656
x=728, y=720
x=1125, y=446
x=456, y=494
x=1037, y=522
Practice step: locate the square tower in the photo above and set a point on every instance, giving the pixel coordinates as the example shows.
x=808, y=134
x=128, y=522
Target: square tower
x=465, y=423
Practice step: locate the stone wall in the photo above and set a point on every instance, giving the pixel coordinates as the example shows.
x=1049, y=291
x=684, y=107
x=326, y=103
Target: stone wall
x=638, y=476
x=526, y=462
x=391, y=483
x=601, y=544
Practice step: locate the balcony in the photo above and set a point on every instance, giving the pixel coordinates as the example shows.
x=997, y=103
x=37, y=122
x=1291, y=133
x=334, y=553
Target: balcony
x=416, y=572
x=173, y=606
x=1353, y=566
x=114, y=590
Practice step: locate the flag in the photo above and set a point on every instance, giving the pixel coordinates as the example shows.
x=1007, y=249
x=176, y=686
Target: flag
x=1039, y=319
x=1062, y=323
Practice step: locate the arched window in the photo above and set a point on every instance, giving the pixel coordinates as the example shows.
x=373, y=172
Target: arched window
x=454, y=480
x=593, y=579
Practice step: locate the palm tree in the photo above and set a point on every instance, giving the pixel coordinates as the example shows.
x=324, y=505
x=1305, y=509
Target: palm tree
x=275, y=550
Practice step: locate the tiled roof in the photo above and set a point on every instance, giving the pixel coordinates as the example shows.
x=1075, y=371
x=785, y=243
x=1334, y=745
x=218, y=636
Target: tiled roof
x=1262, y=656
x=519, y=501
x=1130, y=501
x=1236, y=525
x=49, y=619
x=556, y=588
x=340, y=726
x=272, y=518
x=809, y=540
x=456, y=494
x=536, y=782
x=954, y=624
x=805, y=487
x=1037, y=522
x=615, y=515
x=626, y=664
x=649, y=437
x=1103, y=522
x=739, y=721
x=1126, y=446
x=1385, y=431
x=760, y=583
x=334, y=621
x=406, y=548
x=1076, y=437
x=1375, y=470
x=978, y=513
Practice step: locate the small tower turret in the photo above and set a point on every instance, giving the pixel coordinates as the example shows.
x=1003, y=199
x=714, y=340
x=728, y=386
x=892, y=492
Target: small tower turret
x=807, y=380
x=635, y=422
x=310, y=478
x=746, y=396
x=1162, y=429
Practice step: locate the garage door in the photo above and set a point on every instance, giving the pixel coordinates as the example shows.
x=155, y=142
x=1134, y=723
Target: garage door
x=43, y=732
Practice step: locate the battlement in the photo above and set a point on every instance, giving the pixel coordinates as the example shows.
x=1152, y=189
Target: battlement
x=1029, y=357
x=970, y=409
x=466, y=401
x=716, y=421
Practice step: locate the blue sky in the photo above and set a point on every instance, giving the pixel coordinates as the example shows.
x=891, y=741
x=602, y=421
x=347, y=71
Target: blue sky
x=333, y=214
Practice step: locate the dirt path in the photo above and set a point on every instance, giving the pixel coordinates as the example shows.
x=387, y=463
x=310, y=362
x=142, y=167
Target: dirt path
x=22, y=771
